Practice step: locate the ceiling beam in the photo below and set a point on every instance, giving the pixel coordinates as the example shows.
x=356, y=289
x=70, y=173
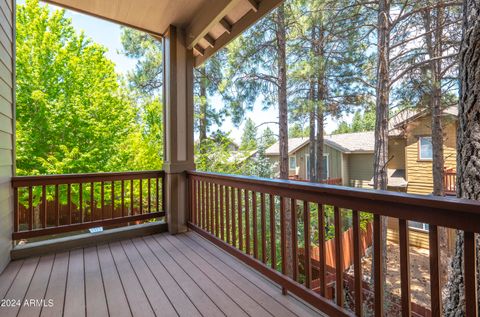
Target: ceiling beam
x=210, y=40
x=264, y=7
x=226, y=25
x=253, y=4
x=209, y=16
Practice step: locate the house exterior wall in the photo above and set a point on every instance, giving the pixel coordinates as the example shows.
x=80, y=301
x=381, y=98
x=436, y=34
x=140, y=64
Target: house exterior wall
x=419, y=173
x=396, y=153
x=360, y=169
x=7, y=127
x=334, y=162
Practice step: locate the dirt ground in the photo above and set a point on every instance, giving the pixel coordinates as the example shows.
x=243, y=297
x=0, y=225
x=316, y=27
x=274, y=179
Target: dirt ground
x=419, y=272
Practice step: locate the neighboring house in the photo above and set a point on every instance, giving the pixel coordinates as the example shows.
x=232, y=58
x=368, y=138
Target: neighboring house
x=349, y=156
x=345, y=156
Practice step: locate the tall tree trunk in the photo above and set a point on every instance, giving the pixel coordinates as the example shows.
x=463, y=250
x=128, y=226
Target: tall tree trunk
x=282, y=92
x=380, y=179
x=320, y=129
x=468, y=143
x=311, y=145
x=321, y=99
x=380, y=176
x=283, y=124
x=202, y=116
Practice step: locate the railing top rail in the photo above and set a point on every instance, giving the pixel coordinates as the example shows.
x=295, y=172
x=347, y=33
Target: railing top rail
x=37, y=180
x=444, y=211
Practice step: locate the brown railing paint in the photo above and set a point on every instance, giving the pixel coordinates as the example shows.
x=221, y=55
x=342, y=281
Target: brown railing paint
x=296, y=198
x=46, y=214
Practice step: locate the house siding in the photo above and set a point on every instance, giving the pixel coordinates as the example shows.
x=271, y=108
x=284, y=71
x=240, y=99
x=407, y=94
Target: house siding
x=360, y=170
x=396, y=153
x=419, y=173
x=334, y=161
x=7, y=128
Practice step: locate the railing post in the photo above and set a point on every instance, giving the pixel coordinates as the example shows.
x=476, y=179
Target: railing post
x=178, y=126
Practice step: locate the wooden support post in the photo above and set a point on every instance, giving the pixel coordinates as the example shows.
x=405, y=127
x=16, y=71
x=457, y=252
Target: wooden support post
x=178, y=126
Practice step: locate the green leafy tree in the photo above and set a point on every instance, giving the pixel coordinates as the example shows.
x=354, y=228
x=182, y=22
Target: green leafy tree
x=267, y=138
x=249, y=136
x=362, y=121
x=72, y=114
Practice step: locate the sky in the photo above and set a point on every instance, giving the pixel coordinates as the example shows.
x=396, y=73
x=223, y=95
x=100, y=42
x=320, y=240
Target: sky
x=109, y=34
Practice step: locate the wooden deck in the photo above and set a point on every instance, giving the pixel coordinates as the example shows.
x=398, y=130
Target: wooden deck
x=159, y=275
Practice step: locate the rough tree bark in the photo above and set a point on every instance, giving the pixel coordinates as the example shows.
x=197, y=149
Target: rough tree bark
x=468, y=144
x=383, y=96
x=281, y=37
x=311, y=146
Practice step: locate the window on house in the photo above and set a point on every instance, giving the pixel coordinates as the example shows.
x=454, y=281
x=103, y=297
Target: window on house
x=292, y=162
x=418, y=225
x=425, y=145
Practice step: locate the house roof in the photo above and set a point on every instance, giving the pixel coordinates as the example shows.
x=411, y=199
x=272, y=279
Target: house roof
x=209, y=24
x=396, y=123
x=358, y=142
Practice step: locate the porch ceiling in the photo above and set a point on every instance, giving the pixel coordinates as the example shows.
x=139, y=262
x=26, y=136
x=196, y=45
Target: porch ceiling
x=209, y=24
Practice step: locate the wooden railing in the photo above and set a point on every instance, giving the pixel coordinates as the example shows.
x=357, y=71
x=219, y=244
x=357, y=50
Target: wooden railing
x=53, y=204
x=253, y=219
x=450, y=182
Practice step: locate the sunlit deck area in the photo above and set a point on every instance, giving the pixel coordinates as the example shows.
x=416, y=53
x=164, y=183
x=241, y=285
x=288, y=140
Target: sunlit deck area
x=157, y=275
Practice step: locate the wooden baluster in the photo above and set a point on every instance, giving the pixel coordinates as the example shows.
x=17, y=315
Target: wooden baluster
x=404, y=244
x=16, y=216
x=200, y=203
x=247, y=221
x=30, y=208
x=193, y=183
x=69, y=203
x=164, y=193
x=157, y=193
x=44, y=206
x=132, y=212
x=321, y=249
x=255, y=229
x=92, y=201
x=217, y=212
x=293, y=212
x=57, y=206
x=273, y=246
x=338, y=257
x=436, y=299
x=470, y=268
x=207, y=206
x=102, y=194
x=306, y=243
x=234, y=223
x=283, y=240
x=211, y=208
x=378, y=273
x=149, y=197
x=222, y=211
x=357, y=262
x=113, y=198
x=227, y=213
x=240, y=224
x=263, y=220
x=140, y=191
x=80, y=201
x=123, y=198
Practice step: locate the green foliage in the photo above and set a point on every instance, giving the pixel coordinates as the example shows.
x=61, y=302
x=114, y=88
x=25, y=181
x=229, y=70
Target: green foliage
x=267, y=138
x=73, y=113
x=249, y=136
x=147, y=76
x=297, y=130
x=362, y=121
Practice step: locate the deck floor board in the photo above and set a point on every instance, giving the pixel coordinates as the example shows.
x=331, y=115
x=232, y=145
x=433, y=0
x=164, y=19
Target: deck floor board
x=160, y=275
